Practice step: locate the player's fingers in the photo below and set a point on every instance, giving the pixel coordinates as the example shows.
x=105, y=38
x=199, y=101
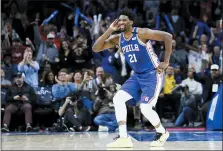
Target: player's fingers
x=115, y=22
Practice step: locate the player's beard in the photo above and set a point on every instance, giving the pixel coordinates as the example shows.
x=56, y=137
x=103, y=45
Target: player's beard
x=122, y=28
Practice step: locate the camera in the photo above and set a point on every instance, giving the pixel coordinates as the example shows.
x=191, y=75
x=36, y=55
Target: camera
x=76, y=99
x=102, y=92
x=76, y=96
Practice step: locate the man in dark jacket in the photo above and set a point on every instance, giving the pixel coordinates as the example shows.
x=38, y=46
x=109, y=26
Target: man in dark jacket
x=19, y=97
x=211, y=83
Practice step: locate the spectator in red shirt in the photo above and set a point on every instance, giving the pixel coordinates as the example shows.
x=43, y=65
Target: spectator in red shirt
x=17, y=51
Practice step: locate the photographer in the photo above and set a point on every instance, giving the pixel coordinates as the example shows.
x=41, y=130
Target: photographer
x=104, y=108
x=75, y=116
x=87, y=86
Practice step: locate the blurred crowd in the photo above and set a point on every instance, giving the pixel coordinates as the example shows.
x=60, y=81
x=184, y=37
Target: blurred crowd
x=51, y=78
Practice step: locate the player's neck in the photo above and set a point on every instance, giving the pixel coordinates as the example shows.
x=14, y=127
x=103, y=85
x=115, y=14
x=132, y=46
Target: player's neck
x=128, y=32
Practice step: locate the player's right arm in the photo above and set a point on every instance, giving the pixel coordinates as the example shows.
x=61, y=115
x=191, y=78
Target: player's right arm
x=104, y=41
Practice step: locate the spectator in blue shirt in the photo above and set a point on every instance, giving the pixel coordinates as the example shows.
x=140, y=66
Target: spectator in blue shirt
x=63, y=88
x=30, y=68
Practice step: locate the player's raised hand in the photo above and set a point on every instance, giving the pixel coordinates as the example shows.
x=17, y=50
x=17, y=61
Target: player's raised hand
x=162, y=66
x=114, y=25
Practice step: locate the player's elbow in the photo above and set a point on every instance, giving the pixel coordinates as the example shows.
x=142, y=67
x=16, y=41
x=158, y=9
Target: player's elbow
x=95, y=48
x=168, y=36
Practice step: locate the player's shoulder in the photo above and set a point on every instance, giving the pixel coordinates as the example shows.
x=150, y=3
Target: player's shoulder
x=117, y=35
x=143, y=30
x=114, y=38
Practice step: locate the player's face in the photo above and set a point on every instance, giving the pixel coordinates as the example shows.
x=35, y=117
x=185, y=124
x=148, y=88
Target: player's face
x=124, y=23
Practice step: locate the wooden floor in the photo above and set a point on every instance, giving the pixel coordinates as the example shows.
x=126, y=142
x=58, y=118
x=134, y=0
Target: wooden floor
x=98, y=140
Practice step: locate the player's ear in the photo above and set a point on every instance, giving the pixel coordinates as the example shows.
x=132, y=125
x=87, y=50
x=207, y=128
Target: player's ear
x=131, y=22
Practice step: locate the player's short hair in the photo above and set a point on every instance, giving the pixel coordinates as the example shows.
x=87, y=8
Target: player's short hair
x=129, y=13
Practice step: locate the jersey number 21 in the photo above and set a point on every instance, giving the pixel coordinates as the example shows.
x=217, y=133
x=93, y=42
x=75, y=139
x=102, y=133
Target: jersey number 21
x=132, y=58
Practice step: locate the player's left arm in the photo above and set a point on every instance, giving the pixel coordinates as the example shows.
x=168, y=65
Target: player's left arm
x=148, y=34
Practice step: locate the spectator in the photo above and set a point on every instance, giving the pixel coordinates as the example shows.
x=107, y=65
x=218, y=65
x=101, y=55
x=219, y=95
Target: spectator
x=17, y=51
x=104, y=108
x=166, y=95
x=5, y=85
x=122, y=67
x=7, y=66
x=181, y=52
x=41, y=33
x=47, y=52
x=20, y=97
x=99, y=77
x=44, y=111
x=194, y=87
x=45, y=89
x=4, y=82
x=179, y=76
x=177, y=22
x=78, y=80
x=108, y=80
x=215, y=56
x=80, y=54
x=46, y=69
x=203, y=39
x=194, y=56
x=95, y=7
x=65, y=57
x=29, y=43
x=8, y=34
x=87, y=86
x=211, y=83
x=200, y=28
x=75, y=116
x=173, y=58
x=30, y=68
x=205, y=53
x=188, y=107
x=88, y=89
x=63, y=34
x=48, y=79
x=63, y=88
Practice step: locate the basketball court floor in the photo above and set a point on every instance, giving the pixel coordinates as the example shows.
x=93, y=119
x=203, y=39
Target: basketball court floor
x=178, y=140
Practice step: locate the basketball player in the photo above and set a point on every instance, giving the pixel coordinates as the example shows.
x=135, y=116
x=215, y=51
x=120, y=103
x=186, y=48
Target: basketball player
x=145, y=84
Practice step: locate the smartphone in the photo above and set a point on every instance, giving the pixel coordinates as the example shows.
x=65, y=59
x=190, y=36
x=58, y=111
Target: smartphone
x=27, y=41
